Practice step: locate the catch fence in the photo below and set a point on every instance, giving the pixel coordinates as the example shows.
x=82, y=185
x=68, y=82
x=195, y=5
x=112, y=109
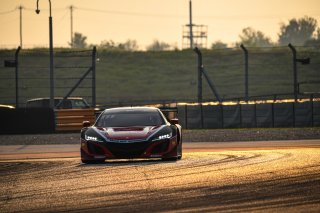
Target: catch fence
x=25, y=75
x=137, y=78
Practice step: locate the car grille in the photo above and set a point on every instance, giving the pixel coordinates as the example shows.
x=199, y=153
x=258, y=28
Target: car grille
x=127, y=150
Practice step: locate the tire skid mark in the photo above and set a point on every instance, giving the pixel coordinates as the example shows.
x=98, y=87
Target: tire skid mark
x=183, y=170
x=54, y=178
x=185, y=173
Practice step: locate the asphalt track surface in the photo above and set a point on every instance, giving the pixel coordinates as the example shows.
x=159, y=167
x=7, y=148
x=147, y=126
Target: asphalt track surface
x=276, y=176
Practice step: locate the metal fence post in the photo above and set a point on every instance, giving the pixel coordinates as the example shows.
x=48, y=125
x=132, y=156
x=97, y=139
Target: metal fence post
x=246, y=71
x=94, y=56
x=295, y=75
x=17, y=75
x=201, y=71
x=74, y=87
x=200, y=66
x=303, y=61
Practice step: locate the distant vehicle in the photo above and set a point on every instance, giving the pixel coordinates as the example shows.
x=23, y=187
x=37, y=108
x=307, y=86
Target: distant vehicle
x=131, y=132
x=69, y=103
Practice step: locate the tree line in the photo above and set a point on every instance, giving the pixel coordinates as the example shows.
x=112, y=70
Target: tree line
x=302, y=31
x=79, y=41
x=299, y=32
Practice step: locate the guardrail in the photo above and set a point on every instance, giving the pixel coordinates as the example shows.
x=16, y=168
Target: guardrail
x=71, y=119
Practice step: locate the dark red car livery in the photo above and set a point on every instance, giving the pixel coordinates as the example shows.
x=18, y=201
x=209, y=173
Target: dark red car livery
x=131, y=132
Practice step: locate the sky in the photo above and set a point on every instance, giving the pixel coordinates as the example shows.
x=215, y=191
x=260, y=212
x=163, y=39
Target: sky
x=145, y=20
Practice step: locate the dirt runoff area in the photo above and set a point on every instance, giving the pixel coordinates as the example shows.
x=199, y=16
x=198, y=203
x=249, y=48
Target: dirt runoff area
x=203, y=135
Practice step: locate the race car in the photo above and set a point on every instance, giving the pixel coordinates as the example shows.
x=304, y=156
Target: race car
x=131, y=132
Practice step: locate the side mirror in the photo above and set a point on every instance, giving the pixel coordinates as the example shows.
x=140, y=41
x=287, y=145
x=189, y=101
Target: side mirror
x=174, y=121
x=86, y=124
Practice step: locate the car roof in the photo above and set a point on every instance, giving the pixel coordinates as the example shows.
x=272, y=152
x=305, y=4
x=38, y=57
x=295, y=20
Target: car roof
x=132, y=109
x=6, y=106
x=56, y=98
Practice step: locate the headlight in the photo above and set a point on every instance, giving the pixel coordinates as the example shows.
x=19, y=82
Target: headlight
x=161, y=137
x=92, y=138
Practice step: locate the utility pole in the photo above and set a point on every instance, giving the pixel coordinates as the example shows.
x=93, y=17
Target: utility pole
x=71, y=24
x=190, y=24
x=20, y=8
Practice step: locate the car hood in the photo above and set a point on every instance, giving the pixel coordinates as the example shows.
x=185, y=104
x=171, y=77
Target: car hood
x=129, y=133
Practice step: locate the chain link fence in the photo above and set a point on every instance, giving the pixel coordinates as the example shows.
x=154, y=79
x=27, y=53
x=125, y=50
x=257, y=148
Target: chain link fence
x=138, y=78
x=32, y=77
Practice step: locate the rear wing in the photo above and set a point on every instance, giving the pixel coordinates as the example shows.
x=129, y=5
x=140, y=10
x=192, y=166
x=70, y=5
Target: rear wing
x=169, y=112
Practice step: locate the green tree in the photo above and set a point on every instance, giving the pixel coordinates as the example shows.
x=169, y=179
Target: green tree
x=158, y=46
x=129, y=45
x=219, y=45
x=108, y=44
x=314, y=41
x=254, y=38
x=297, y=31
x=79, y=41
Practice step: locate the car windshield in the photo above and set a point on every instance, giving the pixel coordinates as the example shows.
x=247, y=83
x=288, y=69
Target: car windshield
x=124, y=119
x=79, y=104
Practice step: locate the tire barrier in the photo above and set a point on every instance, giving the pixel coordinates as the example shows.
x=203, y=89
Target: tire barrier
x=27, y=121
x=212, y=118
x=43, y=120
x=264, y=115
x=304, y=114
x=71, y=119
x=316, y=114
x=248, y=116
x=231, y=116
x=283, y=115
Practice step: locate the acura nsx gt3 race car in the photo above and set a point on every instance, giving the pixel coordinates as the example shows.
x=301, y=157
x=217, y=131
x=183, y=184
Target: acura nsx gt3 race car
x=131, y=132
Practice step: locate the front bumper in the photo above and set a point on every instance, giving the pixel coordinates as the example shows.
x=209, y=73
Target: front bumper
x=91, y=150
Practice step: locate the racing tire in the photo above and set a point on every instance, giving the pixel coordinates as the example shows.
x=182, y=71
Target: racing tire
x=170, y=159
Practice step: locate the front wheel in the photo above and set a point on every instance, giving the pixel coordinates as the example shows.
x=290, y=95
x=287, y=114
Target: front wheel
x=172, y=158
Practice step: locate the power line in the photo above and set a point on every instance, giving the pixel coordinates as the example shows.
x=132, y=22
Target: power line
x=64, y=16
x=128, y=13
x=232, y=17
x=9, y=11
x=20, y=19
x=32, y=9
x=247, y=17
